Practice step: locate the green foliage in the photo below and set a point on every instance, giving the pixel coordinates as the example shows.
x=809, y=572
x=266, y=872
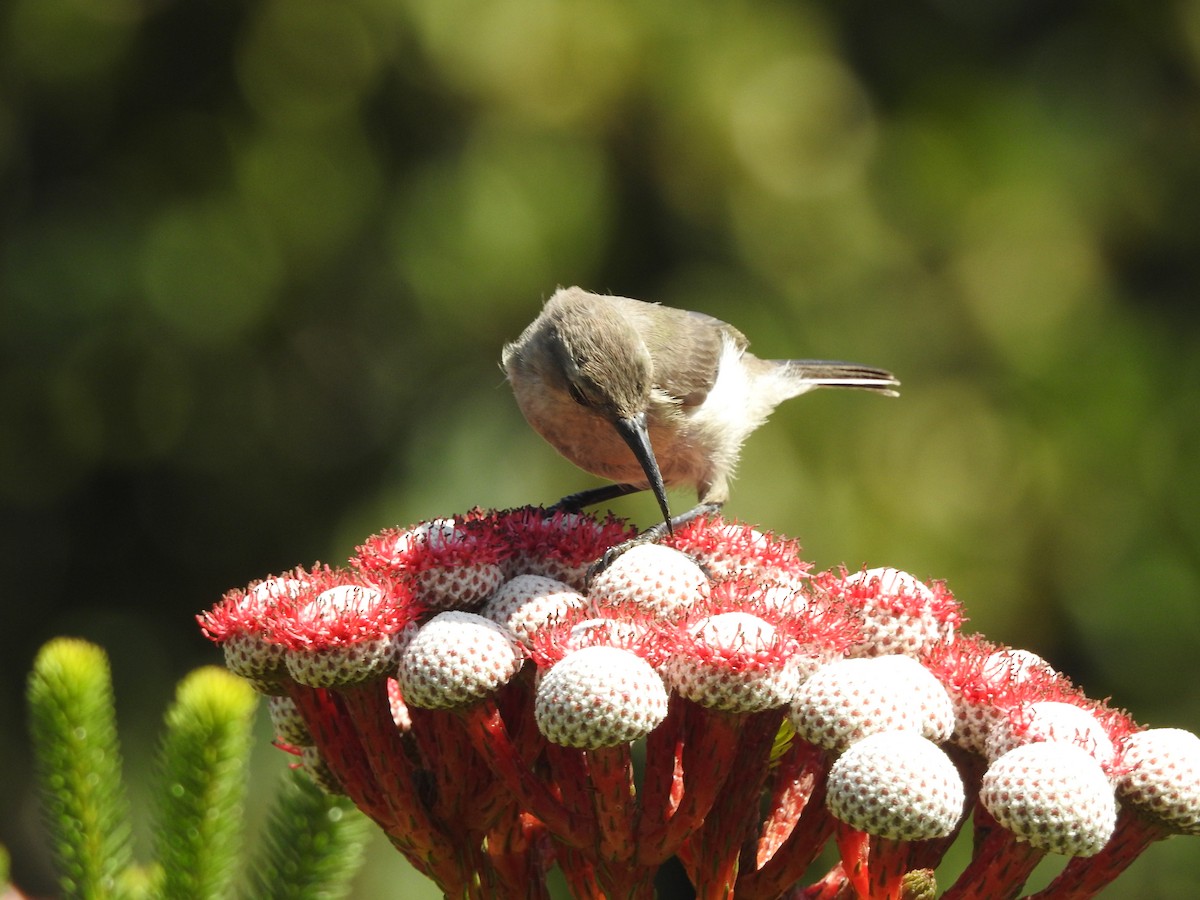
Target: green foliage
x=312, y=846
x=74, y=731
x=204, y=761
x=783, y=740
x=313, y=843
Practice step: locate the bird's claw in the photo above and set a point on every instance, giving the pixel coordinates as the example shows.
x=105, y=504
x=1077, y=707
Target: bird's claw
x=651, y=535
x=613, y=553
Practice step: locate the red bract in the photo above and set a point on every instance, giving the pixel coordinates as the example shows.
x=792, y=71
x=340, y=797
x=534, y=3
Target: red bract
x=249, y=610
x=446, y=563
x=339, y=608
x=731, y=549
x=242, y=622
x=899, y=613
x=469, y=688
x=649, y=639
x=559, y=545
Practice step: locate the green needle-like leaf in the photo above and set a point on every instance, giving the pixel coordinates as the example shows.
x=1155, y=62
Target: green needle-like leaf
x=313, y=845
x=73, y=725
x=204, y=764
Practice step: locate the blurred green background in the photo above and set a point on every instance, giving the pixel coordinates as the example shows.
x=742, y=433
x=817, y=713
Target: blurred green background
x=258, y=259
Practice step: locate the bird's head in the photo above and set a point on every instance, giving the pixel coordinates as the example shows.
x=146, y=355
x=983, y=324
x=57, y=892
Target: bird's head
x=604, y=367
x=584, y=346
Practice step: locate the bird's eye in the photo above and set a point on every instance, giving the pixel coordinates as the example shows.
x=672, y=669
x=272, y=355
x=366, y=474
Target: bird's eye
x=580, y=396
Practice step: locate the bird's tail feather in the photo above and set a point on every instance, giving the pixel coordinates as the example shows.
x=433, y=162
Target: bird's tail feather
x=831, y=373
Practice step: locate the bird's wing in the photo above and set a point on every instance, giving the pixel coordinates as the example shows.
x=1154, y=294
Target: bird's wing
x=686, y=348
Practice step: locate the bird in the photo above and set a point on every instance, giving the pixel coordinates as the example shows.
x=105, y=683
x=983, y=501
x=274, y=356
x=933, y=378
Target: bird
x=649, y=396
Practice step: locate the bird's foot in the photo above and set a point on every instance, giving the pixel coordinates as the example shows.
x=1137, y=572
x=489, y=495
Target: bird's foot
x=611, y=555
x=651, y=535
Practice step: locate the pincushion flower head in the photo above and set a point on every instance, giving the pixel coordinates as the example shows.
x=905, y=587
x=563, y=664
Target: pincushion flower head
x=455, y=658
x=732, y=551
x=741, y=651
x=599, y=697
x=735, y=661
x=1160, y=777
x=898, y=785
x=446, y=562
x=528, y=604
x=342, y=630
x=241, y=621
x=1052, y=795
x=900, y=613
x=848, y=699
x=483, y=699
x=650, y=580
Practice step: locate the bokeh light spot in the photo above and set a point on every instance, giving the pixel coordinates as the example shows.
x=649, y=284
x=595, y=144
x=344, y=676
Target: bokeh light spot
x=802, y=125
x=547, y=61
x=211, y=269
x=1024, y=298
x=306, y=62
x=313, y=189
x=68, y=42
x=510, y=218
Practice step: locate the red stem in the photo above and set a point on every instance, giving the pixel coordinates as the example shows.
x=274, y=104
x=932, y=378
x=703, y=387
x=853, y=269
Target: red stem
x=396, y=771
x=835, y=885
x=999, y=870
x=855, y=847
x=579, y=872
x=798, y=774
x=491, y=740
x=715, y=850
x=515, y=848
x=709, y=748
x=886, y=866
x=610, y=770
x=791, y=860
x=662, y=785
x=337, y=741
x=1084, y=877
x=466, y=793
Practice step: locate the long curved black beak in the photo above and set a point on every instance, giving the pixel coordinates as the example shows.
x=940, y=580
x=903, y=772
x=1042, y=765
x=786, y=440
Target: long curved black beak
x=634, y=432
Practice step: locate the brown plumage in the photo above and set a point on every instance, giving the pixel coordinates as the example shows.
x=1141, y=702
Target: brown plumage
x=648, y=396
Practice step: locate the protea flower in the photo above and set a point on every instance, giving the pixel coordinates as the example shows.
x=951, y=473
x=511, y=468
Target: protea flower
x=477, y=696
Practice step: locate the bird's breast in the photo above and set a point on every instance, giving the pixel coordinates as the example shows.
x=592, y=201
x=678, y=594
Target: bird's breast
x=589, y=441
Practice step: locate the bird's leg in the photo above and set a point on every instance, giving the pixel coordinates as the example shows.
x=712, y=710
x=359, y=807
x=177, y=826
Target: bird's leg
x=651, y=535
x=662, y=529
x=577, y=501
